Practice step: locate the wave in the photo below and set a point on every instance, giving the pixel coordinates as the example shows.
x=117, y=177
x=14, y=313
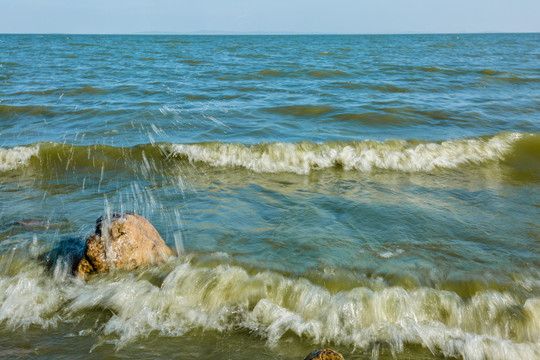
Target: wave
x=376, y=119
x=83, y=44
x=434, y=69
x=71, y=91
x=391, y=88
x=192, y=62
x=368, y=155
x=90, y=90
x=327, y=73
x=515, y=79
x=181, y=296
x=173, y=42
x=10, y=64
x=302, y=110
x=17, y=157
x=518, y=150
x=350, y=85
x=10, y=110
x=485, y=72
x=270, y=73
x=491, y=72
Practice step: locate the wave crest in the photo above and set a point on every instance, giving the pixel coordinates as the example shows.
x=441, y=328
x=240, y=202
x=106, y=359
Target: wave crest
x=180, y=297
x=19, y=156
x=517, y=150
x=303, y=157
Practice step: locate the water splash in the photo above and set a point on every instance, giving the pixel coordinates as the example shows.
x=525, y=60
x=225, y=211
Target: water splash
x=180, y=296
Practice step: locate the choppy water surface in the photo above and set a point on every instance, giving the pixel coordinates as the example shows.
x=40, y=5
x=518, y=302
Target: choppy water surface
x=374, y=194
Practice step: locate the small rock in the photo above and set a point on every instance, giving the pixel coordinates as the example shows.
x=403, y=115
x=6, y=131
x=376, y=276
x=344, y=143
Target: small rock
x=325, y=354
x=122, y=241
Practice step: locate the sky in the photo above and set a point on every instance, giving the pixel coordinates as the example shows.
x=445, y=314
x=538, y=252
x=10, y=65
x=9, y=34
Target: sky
x=268, y=16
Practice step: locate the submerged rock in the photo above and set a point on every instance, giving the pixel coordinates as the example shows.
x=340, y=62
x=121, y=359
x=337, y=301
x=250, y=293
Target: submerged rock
x=325, y=354
x=122, y=241
x=32, y=224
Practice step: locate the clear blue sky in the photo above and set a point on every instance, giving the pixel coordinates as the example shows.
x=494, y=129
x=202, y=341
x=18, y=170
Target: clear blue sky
x=250, y=16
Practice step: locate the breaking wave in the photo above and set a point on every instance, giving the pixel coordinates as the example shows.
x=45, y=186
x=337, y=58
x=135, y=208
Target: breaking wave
x=519, y=150
x=181, y=296
x=396, y=155
x=19, y=156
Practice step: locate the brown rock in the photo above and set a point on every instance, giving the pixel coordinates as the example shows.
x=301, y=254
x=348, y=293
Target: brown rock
x=122, y=241
x=325, y=354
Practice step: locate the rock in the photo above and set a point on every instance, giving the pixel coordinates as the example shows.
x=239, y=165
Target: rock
x=122, y=241
x=325, y=354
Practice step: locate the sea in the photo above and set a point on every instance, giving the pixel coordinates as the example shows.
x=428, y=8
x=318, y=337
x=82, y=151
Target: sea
x=375, y=194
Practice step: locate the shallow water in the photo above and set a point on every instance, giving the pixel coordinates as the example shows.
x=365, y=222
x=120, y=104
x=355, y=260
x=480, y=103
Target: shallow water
x=374, y=194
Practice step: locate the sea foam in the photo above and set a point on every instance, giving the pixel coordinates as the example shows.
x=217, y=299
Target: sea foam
x=16, y=157
x=368, y=155
x=489, y=325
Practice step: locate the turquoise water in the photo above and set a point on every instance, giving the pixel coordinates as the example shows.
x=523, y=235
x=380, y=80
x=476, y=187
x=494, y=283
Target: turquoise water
x=375, y=194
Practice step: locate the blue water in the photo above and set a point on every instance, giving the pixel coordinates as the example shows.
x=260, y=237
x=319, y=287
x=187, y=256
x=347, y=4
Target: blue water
x=375, y=194
x=250, y=89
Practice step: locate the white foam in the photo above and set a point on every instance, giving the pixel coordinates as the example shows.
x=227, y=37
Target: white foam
x=28, y=299
x=391, y=254
x=302, y=158
x=271, y=305
x=490, y=325
x=16, y=157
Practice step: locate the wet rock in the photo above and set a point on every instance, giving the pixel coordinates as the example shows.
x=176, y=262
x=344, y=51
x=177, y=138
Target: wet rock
x=325, y=354
x=122, y=241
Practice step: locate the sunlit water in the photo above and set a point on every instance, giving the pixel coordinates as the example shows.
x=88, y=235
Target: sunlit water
x=374, y=194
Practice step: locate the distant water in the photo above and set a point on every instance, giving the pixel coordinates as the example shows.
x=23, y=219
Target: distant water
x=374, y=194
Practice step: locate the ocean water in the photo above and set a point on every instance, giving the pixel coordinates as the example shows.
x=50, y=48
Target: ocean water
x=378, y=195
